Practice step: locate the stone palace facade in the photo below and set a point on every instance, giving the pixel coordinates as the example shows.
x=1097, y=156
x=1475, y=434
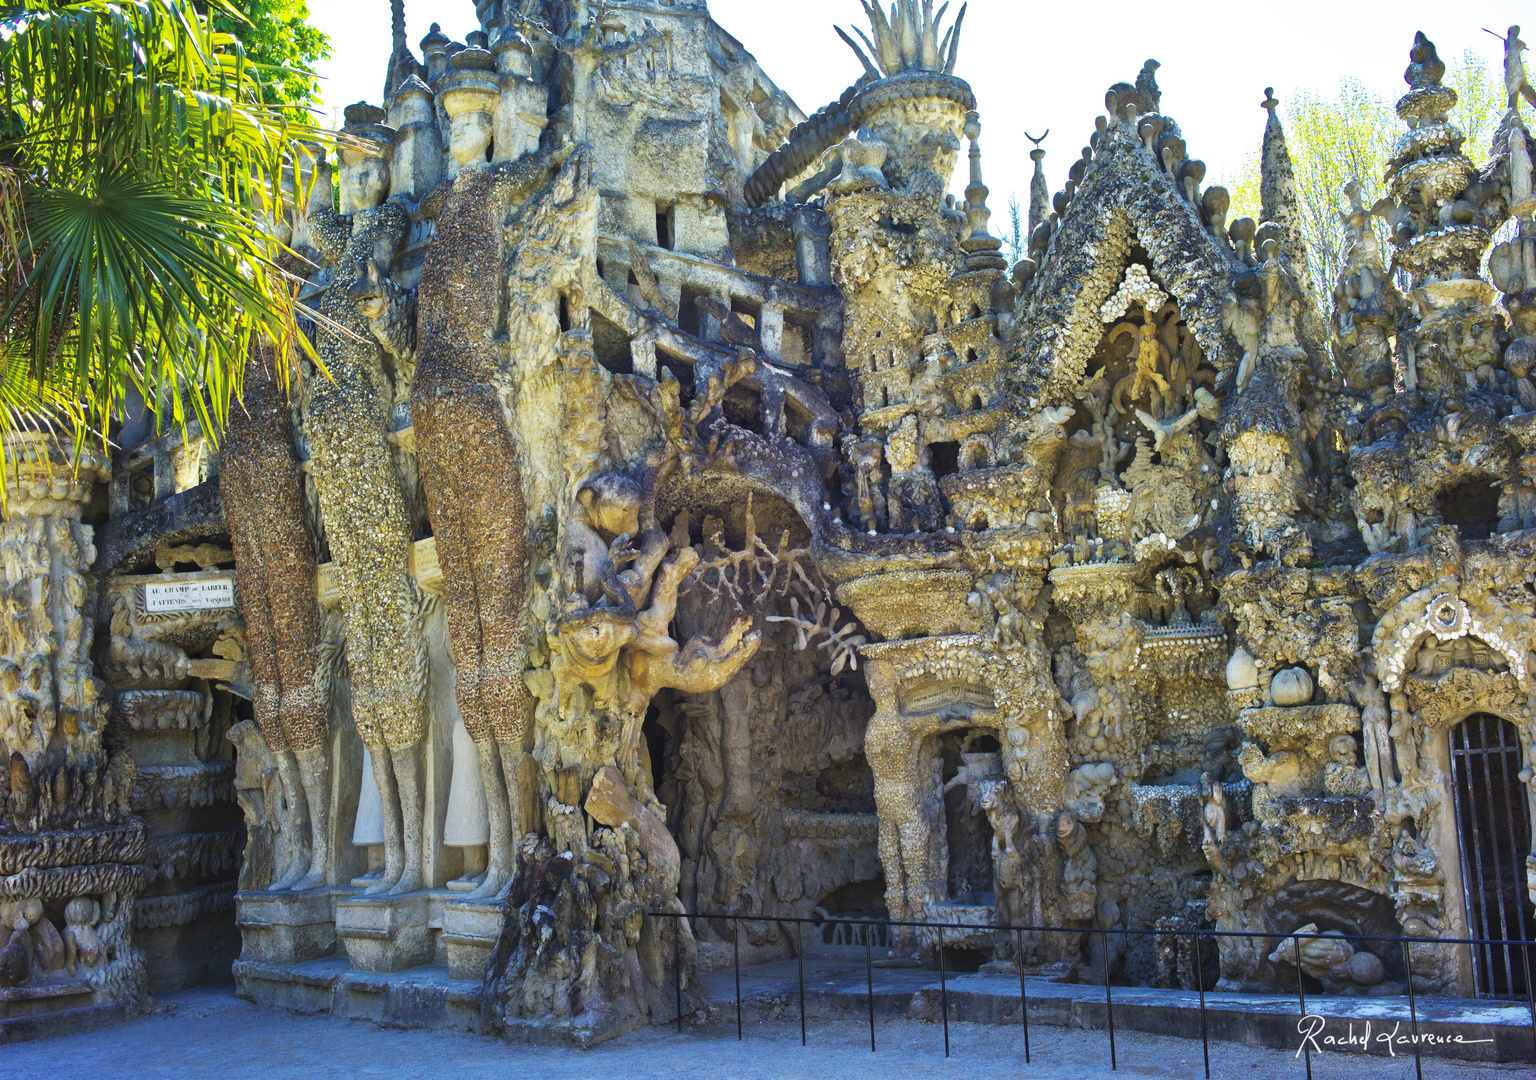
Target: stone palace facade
x=698, y=513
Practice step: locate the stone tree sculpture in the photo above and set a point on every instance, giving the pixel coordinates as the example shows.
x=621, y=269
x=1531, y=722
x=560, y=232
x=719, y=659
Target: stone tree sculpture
x=262, y=488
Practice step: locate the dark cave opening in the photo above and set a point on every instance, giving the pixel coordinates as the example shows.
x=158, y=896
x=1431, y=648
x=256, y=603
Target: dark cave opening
x=944, y=459
x=612, y=346
x=1472, y=505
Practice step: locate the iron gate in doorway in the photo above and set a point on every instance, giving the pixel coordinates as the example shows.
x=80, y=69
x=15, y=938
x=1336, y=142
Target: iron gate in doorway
x=1493, y=824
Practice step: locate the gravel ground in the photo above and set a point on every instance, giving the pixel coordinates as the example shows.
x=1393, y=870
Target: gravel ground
x=210, y=1033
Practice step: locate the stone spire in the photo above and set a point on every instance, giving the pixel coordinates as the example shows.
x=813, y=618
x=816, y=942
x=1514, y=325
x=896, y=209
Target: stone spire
x=402, y=62
x=981, y=247
x=1277, y=184
x=1278, y=199
x=1039, y=194
x=435, y=48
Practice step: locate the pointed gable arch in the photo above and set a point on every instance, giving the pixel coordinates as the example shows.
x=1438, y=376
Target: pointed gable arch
x=1125, y=202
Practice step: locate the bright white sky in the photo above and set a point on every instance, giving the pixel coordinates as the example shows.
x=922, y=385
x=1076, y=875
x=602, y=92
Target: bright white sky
x=1039, y=64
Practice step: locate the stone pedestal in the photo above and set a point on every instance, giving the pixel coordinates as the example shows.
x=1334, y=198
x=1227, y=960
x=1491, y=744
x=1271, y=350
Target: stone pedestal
x=288, y=927
x=470, y=930
x=45, y=997
x=386, y=933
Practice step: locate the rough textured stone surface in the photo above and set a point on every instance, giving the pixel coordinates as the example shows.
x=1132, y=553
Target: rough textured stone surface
x=781, y=551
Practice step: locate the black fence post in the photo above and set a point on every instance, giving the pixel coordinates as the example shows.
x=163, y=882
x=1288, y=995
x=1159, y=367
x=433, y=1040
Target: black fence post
x=800, y=959
x=1018, y=952
x=1301, y=995
x=1109, y=1001
x=1413, y=1012
x=1205, y=1037
x=1079, y=933
x=869, y=980
x=943, y=992
x=1530, y=991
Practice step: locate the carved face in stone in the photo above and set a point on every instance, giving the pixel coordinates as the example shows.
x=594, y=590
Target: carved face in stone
x=275, y=217
x=1342, y=749
x=612, y=504
x=593, y=637
x=364, y=182
x=469, y=134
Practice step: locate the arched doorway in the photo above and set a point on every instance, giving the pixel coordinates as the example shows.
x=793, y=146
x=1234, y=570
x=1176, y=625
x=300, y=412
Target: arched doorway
x=1493, y=825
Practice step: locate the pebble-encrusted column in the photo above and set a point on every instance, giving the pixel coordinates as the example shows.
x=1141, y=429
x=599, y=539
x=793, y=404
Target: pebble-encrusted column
x=263, y=492
x=470, y=469
x=368, y=524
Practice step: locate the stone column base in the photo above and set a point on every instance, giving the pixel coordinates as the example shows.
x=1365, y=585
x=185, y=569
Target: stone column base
x=470, y=931
x=287, y=927
x=386, y=933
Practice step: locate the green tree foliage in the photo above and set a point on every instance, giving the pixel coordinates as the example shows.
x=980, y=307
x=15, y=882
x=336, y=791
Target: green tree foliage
x=1351, y=134
x=278, y=38
x=1015, y=243
x=136, y=154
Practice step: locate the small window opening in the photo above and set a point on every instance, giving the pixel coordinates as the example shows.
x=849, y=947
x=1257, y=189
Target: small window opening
x=665, y=236
x=690, y=319
x=141, y=485
x=612, y=346
x=797, y=346
x=656, y=739
x=744, y=408
x=565, y=314
x=682, y=372
x=966, y=961
x=750, y=312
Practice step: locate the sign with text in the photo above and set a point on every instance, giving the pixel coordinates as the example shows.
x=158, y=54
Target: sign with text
x=205, y=595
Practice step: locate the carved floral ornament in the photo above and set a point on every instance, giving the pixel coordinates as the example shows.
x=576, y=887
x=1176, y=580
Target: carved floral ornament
x=1447, y=616
x=1463, y=691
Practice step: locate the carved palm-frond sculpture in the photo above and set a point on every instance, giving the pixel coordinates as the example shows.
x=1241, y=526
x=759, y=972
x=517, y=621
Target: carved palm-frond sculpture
x=908, y=40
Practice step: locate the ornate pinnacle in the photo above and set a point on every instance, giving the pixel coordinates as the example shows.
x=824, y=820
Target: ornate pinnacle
x=981, y=247
x=908, y=40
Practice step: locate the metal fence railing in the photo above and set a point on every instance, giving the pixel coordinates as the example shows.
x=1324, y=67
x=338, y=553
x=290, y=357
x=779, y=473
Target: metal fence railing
x=1201, y=940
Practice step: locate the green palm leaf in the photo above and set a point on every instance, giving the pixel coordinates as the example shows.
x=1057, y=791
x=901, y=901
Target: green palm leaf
x=135, y=150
